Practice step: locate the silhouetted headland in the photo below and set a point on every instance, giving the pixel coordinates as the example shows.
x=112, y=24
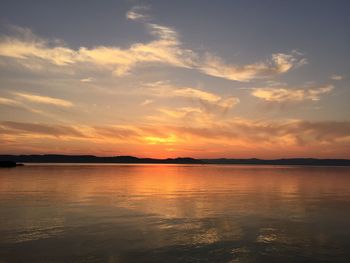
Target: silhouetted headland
x=9, y=164
x=58, y=158
x=290, y=161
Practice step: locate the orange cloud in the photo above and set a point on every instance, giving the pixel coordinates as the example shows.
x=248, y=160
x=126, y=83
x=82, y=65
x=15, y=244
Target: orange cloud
x=234, y=138
x=44, y=99
x=279, y=63
x=207, y=99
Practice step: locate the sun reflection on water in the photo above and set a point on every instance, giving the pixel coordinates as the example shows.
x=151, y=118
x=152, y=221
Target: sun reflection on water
x=236, y=213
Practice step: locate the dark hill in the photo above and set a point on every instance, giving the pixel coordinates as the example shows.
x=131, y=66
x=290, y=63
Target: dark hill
x=59, y=158
x=291, y=161
x=7, y=164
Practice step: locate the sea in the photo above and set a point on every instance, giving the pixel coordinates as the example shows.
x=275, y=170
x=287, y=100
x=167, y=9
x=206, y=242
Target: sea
x=174, y=213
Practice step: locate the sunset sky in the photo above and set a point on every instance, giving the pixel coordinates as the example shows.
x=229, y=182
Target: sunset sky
x=206, y=79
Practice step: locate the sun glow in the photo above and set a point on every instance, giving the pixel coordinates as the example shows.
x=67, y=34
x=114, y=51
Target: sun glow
x=152, y=92
x=171, y=139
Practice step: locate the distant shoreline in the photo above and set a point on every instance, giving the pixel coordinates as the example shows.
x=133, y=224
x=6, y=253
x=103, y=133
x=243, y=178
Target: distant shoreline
x=58, y=158
x=9, y=164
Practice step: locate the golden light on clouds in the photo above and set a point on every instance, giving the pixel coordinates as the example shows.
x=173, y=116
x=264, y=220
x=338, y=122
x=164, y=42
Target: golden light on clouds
x=285, y=94
x=167, y=49
x=279, y=63
x=162, y=93
x=246, y=137
x=44, y=99
x=171, y=139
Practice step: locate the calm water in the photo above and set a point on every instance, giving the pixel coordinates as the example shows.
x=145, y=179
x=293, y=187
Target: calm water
x=174, y=213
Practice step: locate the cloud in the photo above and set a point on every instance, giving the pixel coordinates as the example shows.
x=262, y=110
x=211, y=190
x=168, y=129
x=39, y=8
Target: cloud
x=19, y=106
x=146, y=102
x=284, y=94
x=116, y=131
x=336, y=77
x=161, y=51
x=26, y=128
x=44, y=99
x=193, y=93
x=8, y=102
x=294, y=138
x=28, y=46
x=244, y=137
x=164, y=89
x=180, y=112
x=89, y=79
x=257, y=134
x=169, y=140
x=279, y=63
x=167, y=48
x=135, y=14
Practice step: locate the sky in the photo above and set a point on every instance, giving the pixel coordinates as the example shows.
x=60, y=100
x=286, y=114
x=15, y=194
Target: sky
x=206, y=79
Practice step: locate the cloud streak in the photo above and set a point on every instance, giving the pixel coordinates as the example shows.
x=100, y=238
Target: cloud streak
x=253, y=137
x=135, y=13
x=283, y=94
x=164, y=89
x=278, y=63
x=8, y=102
x=19, y=106
x=166, y=48
x=35, y=129
x=337, y=77
x=44, y=99
x=26, y=45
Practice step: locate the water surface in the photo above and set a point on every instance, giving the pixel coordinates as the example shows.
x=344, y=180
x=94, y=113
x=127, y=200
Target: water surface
x=174, y=213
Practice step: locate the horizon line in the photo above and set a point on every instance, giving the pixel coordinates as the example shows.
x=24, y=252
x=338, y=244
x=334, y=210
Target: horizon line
x=178, y=157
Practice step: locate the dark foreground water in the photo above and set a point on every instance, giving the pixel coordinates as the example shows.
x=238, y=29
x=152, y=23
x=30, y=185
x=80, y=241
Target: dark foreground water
x=174, y=213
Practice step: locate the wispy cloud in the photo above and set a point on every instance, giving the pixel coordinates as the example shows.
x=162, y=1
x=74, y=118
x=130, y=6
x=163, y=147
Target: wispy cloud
x=19, y=106
x=27, y=128
x=166, y=48
x=169, y=140
x=279, y=63
x=135, y=13
x=285, y=94
x=337, y=77
x=9, y=102
x=146, y=102
x=165, y=89
x=44, y=99
x=89, y=79
x=255, y=137
x=182, y=112
x=24, y=45
x=116, y=131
